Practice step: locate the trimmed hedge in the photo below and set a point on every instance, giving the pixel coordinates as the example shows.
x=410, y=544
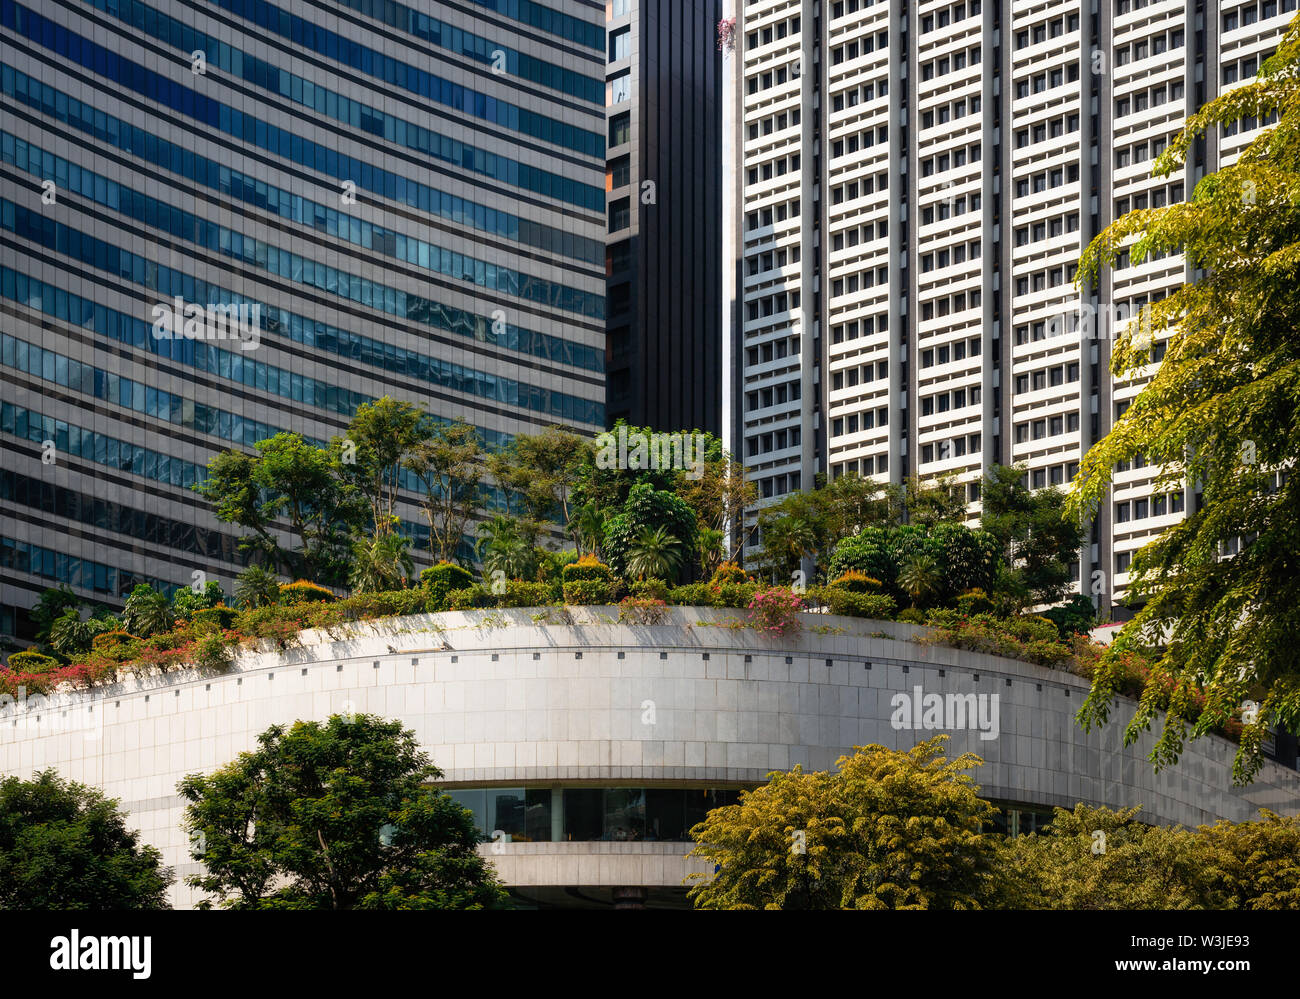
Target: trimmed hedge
x=590, y=592
x=447, y=576
x=878, y=606
x=305, y=592
x=856, y=582
x=587, y=569
x=734, y=595
x=32, y=662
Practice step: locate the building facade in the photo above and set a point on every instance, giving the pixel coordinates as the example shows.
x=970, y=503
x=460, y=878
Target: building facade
x=664, y=86
x=915, y=183
x=403, y=201
x=587, y=748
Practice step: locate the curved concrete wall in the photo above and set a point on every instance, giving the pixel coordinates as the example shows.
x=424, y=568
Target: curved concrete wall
x=544, y=697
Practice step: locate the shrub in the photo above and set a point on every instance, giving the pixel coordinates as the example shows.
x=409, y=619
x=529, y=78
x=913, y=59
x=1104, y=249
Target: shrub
x=115, y=645
x=522, y=594
x=470, y=598
x=589, y=592
x=384, y=603
x=220, y=617
x=974, y=601
x=1029, y=639
x=880, y=606
x=550, y=565
x=587, y=569
x=446, y=576
x=736, y=595
x=649, y=589
x=692, y=595
x=911, y=615
x=642, y=610
x=32, y=662
x=305, y=592
x=276, y=622
x=213, y=651
x=1076, y=616
x=856, y=582
x=775, y=611
x=728, y=572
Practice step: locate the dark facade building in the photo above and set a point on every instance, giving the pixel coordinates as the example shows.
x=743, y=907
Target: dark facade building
x=664, y=259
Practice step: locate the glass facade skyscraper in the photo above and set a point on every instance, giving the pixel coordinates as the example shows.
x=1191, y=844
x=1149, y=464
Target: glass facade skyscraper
x=406, y=201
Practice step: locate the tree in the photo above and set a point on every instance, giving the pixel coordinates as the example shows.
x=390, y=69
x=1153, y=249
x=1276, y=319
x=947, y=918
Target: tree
x=257, y=587
x=503, y=547
x=71, y=636
x=1256, y=864
x=339, y=815
x=546, y=468
x=647, y=508
x=52, y=604
x=587, y=527
x=449, y=464
x=1218, y=416
x=920, y=579
x=887, y=830
x=146, y=612
x=936, y=501
x=787, y=540
x=1038, y=537
x=720, y=495
x=656, y=554
x=286, y=479
x=1099, y=858
x=66, y=847
x=187, y=600
x=370, y=459
x=381, y=563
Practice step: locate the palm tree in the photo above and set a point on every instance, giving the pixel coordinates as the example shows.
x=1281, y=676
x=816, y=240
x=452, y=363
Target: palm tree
x=587, y=525
x=708, y=546
x=503, y=548
x=919, y=577
x=381, y=563
x=70, y=636
x=655, y=554
x=256, y=586
x=147, y=612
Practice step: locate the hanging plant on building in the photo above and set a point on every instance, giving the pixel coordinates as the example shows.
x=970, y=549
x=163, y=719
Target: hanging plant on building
x=727, y=34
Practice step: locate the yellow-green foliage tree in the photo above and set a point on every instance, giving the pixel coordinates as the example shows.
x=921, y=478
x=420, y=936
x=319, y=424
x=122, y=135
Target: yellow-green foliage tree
x=886, y=830
x=1223, y=410
x=1099, y=858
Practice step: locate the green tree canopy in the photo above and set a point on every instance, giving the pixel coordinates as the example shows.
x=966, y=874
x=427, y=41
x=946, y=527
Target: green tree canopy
x=335, y=815
x=1219, y=416
x=887, y=830
x=1038, y=537
x=64, y=846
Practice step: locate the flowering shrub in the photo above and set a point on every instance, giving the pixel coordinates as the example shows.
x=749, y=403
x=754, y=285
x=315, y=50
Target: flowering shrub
x=642, y=610
x=728, y=572
x=775, y=611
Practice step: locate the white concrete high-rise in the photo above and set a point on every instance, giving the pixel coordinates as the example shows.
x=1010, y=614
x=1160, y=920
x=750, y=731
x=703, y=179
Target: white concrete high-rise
x=915, y=183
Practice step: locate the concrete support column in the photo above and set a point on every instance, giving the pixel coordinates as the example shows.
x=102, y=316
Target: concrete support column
x=557, y=815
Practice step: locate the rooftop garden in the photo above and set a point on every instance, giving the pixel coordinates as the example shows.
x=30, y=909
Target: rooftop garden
x=557, y=526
